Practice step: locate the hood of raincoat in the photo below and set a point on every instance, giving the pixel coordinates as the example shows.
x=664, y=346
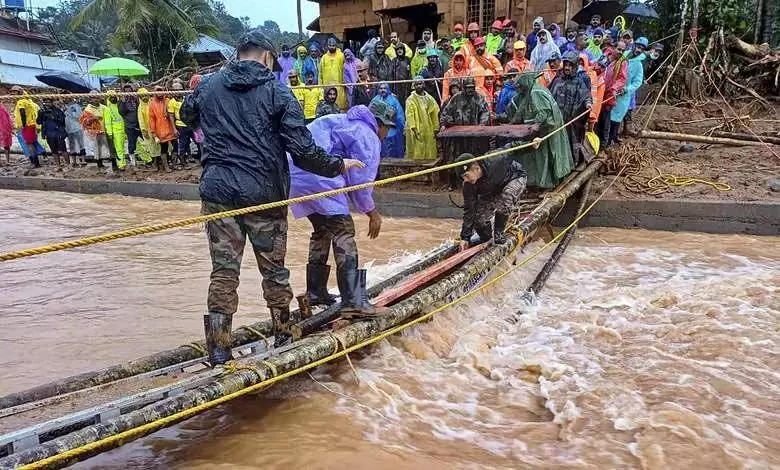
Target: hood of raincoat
x=353, y=135
x=244, y=75
x=525, y=82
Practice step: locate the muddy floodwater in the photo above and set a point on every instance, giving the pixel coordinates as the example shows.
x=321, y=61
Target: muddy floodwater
x=647, y=350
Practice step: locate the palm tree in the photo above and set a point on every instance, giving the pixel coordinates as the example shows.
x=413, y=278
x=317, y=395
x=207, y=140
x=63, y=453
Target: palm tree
x=300, y=19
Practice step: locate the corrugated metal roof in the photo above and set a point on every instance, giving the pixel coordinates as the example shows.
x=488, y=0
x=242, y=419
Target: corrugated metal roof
x=206, y=44
x=20, y=68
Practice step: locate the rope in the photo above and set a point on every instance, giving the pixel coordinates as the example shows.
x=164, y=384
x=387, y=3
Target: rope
x=256, y=332
x=143, y=230
x=196, y=347
x=147, y=428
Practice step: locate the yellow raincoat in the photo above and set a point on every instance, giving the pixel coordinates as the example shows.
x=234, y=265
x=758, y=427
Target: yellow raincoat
x=332, y=72
x=148, y=145
x=115, y=130
x=422, y=121
x=311, y=97
x=30, y=110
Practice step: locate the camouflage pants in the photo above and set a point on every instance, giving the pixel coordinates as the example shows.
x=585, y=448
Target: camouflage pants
x=337, y=231
x=503, y=203
x=227, y=238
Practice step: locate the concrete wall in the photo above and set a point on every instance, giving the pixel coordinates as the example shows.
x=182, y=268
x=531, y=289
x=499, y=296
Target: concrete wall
x=754, y=218
x=13, y=43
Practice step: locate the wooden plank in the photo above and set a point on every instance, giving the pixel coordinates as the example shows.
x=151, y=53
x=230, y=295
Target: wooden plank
x=418, y=280
x=403, y=162
x=515, y=131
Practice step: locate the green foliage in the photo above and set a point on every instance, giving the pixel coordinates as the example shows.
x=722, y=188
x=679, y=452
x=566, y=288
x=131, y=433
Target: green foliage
x=733, y=15
x=277, y=36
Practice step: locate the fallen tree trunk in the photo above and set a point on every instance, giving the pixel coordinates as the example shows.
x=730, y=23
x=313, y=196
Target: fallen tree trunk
x=310, y=350
x=750, y=137
x=695, y=138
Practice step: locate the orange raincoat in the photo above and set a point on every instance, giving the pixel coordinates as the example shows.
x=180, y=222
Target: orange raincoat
x=159, y=124
x=453, y=73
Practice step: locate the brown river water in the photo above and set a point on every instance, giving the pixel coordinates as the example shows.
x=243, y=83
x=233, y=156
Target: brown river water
x=646, y=349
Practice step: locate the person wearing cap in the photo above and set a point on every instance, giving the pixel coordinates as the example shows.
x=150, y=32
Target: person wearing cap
x=52, y=122
x=367, y=50
x=363, y=91
x=636, y=78
x=509, y=33
x=468, y=47
x=393, y=143
x=328, y=105
x=445, y=53
x=554, y=65
x=151, y=148
x=458, y=71
x=467, y=108
x=494, y=37
x=250, y=123
x=161, y=128
x=286, y=62
x=380, y=69
x=402, y=72
x=492, y=189
x=594, y=44
x=427, y=38
x=358, y=135
x=433, y=70
x=519, y=61
x=25, y=123
x=544, y=49
x=76, y=146
x=115, y=131
x=532, y=38
x=420, y=58
x=300, y=58
x=422, y=120
x=392, y=49
x=550, y=163
x=457, y=36
x=94, y=128
x=332, y=71
x=573, y=96
x=482, y=62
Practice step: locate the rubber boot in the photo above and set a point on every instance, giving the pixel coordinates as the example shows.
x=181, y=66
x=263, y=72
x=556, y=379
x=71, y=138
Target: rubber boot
x=35, y=161
x=281, y=320
x=133, y=161
x=317, y=285
x=218, y=337
x=354, y=296
x=614, y=132
x=499, y=237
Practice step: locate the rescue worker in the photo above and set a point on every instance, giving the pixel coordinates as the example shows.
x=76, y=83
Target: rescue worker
x=52, y=122
x=491, y=190
x=420, y=59
x=459, y=70
x=458, y=39
x=433, y=69
x=488, y=90
x=422, y=119
x=402, y=70
x=395, y=43
x=549, y=164
x=115, y=130
x=482, y=61
x=356, y=134
x=244, y=164
x=380, y=69
x=363, y=92
x=332, y=71
x=161, y=128
x=468, y=47
x=151, y=146
x=311, y=98
x=329, y=105
x=519, y=61
x=571, y=39
x=94, y=128
x=494, y=38
x=467, y=108
x=573, y=96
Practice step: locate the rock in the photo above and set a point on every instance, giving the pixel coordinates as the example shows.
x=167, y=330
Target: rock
x=773, y=184
x=686, y=148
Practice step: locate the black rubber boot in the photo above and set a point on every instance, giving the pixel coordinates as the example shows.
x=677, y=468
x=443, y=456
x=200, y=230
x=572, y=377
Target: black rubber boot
x=499, y=237
x=281, y=321
x=354, y=297
x=317, y=285
x=218, y=337
x=614, y=132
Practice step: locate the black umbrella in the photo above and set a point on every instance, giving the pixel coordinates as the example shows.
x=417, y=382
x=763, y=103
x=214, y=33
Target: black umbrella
x=640, y=10
x=65, y=81
x=607, y=9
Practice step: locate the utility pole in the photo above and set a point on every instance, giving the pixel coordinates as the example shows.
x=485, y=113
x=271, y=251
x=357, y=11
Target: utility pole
x=300, y=20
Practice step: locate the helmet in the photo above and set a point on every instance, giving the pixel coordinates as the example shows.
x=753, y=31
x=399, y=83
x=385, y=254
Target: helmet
x=497, y=24
x=473, y=27
x=520, y=45
x=479, y=41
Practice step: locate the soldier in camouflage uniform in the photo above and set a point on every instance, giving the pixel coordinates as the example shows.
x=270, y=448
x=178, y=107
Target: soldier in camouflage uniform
x=491, y=186
x=467, y=108
x=245, y=164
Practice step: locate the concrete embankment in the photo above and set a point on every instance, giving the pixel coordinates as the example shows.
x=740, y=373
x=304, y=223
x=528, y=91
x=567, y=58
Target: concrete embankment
x=754, y=217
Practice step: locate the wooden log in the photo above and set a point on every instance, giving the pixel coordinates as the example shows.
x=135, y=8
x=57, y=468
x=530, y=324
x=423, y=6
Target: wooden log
x=695, y=138
x=750, y=137
x=318, y=321
x=308, y=351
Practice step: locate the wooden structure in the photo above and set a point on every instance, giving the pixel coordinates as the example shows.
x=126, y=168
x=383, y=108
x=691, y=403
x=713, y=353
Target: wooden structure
x=350, y=19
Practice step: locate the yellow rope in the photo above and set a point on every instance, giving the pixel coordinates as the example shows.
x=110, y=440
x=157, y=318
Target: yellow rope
x=121, y=437
x=132, y=232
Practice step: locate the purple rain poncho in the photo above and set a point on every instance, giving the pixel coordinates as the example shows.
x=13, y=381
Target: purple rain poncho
x=351, y=135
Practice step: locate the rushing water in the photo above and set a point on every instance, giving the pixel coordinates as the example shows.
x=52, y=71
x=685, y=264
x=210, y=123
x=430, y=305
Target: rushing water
x=645, y=350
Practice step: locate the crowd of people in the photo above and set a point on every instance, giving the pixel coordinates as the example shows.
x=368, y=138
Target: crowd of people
x=142, y=128
x=471, y=79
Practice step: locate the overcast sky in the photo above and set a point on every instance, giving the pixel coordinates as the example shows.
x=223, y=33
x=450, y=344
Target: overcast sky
x=281, y=11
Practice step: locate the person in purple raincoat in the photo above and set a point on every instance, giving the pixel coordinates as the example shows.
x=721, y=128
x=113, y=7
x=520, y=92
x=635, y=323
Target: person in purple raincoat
x=356, y=134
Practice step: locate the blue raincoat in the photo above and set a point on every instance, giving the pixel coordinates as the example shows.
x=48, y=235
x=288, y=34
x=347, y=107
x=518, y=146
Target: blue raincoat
x=505, y=97
x=636, y=76
x=393, y=145
x=352, y=135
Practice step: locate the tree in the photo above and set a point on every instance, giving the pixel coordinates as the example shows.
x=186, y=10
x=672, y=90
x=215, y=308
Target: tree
x=230, y=27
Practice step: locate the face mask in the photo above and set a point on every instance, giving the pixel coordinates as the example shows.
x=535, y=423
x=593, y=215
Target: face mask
x=654, y=55
x=571, y=36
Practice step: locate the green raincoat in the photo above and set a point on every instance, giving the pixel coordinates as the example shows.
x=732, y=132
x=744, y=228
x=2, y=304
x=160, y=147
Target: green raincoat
x=419, y=61
x=548, y=165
